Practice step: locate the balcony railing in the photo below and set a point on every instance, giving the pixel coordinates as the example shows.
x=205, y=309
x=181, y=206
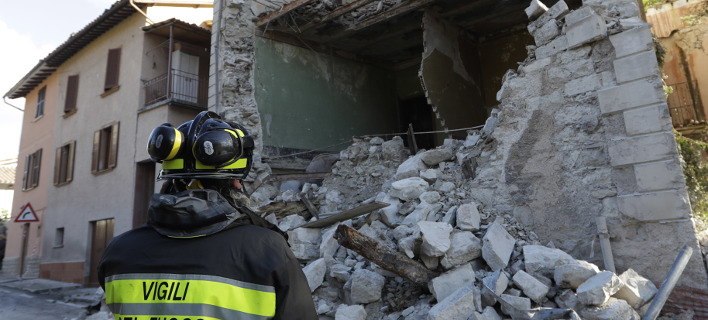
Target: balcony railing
x=183, y=87
x=684, y=109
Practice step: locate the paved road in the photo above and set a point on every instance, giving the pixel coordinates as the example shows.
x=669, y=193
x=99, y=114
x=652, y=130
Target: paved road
x=21, y=305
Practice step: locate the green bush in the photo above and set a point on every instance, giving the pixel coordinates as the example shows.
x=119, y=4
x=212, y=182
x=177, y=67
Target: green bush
x=695, y=171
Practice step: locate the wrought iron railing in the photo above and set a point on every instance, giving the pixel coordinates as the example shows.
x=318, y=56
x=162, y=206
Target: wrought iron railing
x=685, y=111
x=183, y=87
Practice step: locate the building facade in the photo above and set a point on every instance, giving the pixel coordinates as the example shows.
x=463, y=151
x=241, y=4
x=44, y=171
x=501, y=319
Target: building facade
x=131, y=69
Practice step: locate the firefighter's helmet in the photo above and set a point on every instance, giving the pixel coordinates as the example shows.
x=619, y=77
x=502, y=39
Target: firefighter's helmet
x=204, y=148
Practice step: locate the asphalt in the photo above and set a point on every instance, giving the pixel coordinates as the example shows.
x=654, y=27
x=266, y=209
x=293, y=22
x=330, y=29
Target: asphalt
x=92, y=299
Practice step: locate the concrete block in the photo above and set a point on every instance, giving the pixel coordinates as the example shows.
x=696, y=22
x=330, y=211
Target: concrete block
x=646, y=148
x=582, y=85
x=409, y=188
x=455, y=306
x=637, y=290
x=468, y=217
x=629, y=95
x=644, y=120
x=599, y=288
x=305, y=243
x=436, y=238
x=567, y=299
x=572, y=275
x=543, y=260
x=346, y=312
x=410, y=168
x=588, y=29
x=535, y=9
x=366, y=286
x=464, y=247
x=632, y=41
x=532, y=287
x=447, y=283
x=519, y=303
x=557, y=45
x=660, y=175
x=315, y=272
x=546, y=33
x=655, y=206
x=637, y=66
x=578, y=15
x=497, y=246
x=613, y=309
x=435, y=156
x=488, y=314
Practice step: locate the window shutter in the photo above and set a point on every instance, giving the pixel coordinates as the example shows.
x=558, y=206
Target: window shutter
x=94, y=158
x=72, y=92
x=113, y=153
x=57, y=165
x=112, y=69
x=37, y=162
x=25, y=177
x=70, y=163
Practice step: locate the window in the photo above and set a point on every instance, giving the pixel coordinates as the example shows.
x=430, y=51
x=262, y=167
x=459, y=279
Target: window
x=64, y=164
x=72, y=93
x=112, y=69
x=40, y=102
x=105, y=148
x=31, y=176
x=59, y=238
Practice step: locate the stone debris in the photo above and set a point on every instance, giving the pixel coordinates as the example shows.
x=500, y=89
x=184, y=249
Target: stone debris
x=488, y=265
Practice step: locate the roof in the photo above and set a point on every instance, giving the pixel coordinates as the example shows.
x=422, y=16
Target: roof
x=7, y=173
x=112, y=16
x=181, y=30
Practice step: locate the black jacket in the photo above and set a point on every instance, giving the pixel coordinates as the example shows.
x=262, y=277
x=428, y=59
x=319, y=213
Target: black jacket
x=206, y=260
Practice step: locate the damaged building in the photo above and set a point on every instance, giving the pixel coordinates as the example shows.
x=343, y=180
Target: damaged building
x=548, y=116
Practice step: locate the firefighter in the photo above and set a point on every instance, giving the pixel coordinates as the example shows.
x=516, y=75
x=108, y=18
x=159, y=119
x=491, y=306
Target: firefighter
x=203, y=254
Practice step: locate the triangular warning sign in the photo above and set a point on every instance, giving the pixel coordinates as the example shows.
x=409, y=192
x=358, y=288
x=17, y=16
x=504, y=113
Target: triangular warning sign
x=27, y=215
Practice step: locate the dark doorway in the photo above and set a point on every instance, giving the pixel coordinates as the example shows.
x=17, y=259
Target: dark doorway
x=101, y=235
x=144, y=188
x=417, y=112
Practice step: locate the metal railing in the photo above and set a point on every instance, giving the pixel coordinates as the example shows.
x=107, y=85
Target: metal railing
x=183, y=87
x=683, y=107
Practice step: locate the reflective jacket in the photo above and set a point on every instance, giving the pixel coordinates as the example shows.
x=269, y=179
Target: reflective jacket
x=199, y=258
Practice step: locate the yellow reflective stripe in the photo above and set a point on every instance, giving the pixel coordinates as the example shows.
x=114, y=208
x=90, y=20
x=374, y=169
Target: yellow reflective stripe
x=173, y=164
x=160, y=317
x=175, y=146
x=240, y=133
x=213, y=293
x=239, y=164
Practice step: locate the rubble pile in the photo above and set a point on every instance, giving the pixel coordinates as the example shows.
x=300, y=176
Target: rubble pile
x=484, y=265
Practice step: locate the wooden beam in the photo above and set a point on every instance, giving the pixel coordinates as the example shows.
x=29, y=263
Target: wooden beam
x=281, y=12
x=410, y=6
x=384, y=256
x=398, y=31
x=336, y=13
x=345, y=215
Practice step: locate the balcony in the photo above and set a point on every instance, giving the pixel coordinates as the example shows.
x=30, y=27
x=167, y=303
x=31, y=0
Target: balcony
x=179, y=87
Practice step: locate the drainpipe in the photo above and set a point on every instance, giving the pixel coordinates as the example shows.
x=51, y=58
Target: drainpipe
x=132, y=3
x=169, y=67
x=7, y=103
x=216, y=58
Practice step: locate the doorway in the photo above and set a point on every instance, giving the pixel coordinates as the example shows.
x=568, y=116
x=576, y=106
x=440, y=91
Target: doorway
x=417, y=112
x=144, y=189
x=101, y=235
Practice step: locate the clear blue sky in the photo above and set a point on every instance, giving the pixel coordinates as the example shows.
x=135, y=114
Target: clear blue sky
x=29, y=31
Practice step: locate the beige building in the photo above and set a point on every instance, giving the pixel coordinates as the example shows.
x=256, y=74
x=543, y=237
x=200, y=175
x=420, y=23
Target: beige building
x=106, y=87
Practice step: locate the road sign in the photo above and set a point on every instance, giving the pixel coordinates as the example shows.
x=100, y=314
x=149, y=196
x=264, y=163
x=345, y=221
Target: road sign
x=27, y=215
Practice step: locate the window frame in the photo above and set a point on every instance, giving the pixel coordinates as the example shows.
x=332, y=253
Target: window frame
x=104, y=158
x=33, y=164
x=72, y=94
x=41, y=97
x=64, y=158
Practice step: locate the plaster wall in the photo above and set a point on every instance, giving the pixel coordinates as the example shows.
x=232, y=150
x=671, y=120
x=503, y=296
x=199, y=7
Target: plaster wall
x=310, y=100
x=90, y=197
x=36, y=134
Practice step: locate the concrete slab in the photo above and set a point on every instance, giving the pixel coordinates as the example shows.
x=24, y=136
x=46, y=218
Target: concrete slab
x=39, y=285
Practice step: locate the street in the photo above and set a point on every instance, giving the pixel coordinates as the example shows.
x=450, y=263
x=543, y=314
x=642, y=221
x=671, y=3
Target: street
x=21, y=305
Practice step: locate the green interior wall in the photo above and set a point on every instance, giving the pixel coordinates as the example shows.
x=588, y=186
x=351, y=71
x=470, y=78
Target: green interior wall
x=309, y=100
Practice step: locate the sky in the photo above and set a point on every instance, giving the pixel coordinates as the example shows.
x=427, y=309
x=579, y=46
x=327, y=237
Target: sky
x=29, y=31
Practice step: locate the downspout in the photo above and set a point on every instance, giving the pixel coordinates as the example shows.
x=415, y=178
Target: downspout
x=216, y=58
x=132, y=3
x=169, y=66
